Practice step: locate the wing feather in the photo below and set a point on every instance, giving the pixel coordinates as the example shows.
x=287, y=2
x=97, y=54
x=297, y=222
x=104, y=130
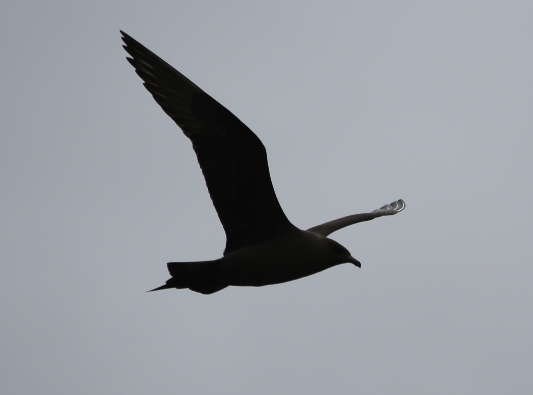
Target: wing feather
x=232, y=158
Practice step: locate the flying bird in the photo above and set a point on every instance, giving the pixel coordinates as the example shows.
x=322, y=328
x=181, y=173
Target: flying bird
x=262, y=246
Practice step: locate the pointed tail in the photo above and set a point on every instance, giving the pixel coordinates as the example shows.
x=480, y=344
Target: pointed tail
x=200, y=276
x=164, y=286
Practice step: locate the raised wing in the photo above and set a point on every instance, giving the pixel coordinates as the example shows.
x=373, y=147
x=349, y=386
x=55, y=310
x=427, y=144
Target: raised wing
x=332, y=226
x=232, y=158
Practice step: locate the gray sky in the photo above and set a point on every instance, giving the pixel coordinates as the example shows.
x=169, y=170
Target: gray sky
x=358, y=103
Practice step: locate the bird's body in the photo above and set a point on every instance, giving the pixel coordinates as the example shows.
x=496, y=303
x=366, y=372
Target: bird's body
x=285, y=259
x=263, y=247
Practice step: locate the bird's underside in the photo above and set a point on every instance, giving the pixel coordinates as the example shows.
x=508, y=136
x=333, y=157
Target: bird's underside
x=262, y=246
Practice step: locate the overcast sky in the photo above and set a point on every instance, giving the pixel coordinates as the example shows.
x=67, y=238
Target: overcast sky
x=358, y=103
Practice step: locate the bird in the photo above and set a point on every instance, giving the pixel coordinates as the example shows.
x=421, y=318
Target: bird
x=262, y=246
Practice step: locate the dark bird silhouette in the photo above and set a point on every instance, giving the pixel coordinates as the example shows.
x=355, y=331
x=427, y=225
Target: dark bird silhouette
x=262, y=246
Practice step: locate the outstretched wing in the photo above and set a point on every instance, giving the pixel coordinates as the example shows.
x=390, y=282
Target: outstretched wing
x=232, y=158
x=332, y=226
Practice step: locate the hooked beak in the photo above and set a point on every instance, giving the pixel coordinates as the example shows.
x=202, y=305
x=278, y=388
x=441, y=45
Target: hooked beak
x=351, y=259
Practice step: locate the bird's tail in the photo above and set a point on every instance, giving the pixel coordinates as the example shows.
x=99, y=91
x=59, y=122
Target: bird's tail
x=203, y=277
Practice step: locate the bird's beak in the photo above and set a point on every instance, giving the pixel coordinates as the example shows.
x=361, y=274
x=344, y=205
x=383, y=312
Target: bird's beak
x=351, y=259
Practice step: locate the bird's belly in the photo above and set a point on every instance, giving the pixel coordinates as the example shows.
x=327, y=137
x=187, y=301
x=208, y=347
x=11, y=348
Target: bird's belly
x=269, y=266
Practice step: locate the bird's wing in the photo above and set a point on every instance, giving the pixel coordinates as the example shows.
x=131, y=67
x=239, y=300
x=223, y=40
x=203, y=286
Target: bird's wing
x=232, y=158
x=390, y=209
x=332, y=226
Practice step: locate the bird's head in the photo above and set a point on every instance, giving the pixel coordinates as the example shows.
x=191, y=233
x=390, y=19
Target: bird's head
x=342, y=253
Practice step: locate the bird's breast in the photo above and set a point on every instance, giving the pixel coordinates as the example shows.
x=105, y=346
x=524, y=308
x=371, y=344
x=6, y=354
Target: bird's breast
x=278, y=261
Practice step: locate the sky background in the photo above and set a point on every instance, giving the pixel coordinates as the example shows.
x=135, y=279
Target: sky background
x=358, y=103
